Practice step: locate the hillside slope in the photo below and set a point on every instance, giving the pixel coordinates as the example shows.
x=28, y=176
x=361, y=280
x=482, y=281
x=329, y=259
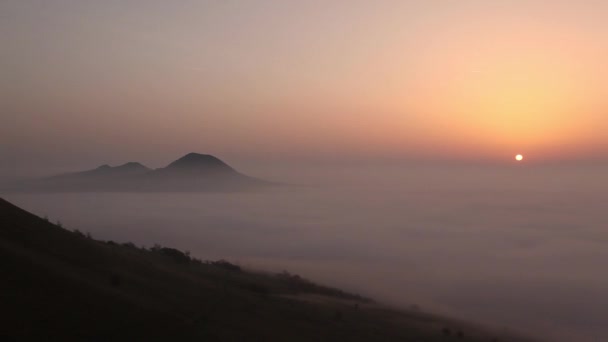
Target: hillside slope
x=63, y=285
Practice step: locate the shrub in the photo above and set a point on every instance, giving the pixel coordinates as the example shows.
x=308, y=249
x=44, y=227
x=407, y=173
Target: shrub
x=226, y=265
x=294, y=284
x=129, y=245
x=156, y=248
x=176, y=255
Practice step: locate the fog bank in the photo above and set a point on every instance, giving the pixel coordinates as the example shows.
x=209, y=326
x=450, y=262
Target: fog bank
x=521, y=247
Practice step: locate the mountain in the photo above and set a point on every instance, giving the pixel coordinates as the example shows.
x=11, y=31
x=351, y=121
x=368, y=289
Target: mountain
x=200, y=172
x=103, y=171
x=192, y=173
x=61, y=285
x=200, y=163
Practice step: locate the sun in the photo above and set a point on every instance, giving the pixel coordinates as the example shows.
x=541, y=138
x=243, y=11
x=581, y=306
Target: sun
x=519, y=157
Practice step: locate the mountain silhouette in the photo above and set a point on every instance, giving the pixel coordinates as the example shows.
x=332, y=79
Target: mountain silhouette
x=128, y=169
x=193, y=172
x=200, y=161
x=197, y=165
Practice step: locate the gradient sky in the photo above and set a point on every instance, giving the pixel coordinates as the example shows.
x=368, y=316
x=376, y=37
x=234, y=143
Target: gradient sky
x=90, y=82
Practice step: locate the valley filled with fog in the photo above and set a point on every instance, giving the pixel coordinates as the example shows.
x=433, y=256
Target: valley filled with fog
x=520, y=247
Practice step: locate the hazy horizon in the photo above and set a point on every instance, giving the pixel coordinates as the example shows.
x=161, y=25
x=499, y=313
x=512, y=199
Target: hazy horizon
x=88, y=83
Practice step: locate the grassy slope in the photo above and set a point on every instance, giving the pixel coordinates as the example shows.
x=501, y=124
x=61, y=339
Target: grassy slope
x=60, y=285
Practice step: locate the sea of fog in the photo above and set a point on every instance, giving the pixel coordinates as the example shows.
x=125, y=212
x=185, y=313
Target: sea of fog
x=523, y=248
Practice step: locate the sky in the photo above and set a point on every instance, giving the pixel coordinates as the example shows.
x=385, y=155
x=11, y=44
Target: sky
x=91, y=82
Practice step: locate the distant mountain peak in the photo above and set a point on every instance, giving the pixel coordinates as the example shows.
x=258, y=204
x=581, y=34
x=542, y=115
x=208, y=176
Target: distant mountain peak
x=105, y=170
x=192, y=172
x=199, y=161
x=193, y=156
x=132, y=165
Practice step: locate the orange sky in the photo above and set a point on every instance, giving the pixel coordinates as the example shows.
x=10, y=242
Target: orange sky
x=332, y=80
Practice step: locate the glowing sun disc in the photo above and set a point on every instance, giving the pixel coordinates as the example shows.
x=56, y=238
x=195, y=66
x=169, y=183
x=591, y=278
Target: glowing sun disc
x=519, y=157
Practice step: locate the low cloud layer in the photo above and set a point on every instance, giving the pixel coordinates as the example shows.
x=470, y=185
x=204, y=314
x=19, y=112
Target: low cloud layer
x=519, y=248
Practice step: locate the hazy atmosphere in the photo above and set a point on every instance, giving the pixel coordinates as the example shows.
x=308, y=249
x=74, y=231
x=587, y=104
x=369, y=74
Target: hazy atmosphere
x=86, y=82
x=521, y=248
x=446, y=154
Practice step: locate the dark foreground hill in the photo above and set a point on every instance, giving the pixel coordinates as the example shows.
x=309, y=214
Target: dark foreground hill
x=192, y=173
x=62, y=285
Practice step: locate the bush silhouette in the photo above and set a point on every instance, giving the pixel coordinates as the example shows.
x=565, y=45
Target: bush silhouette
x=177, y=255
x=226, y=265
x=129, y=245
